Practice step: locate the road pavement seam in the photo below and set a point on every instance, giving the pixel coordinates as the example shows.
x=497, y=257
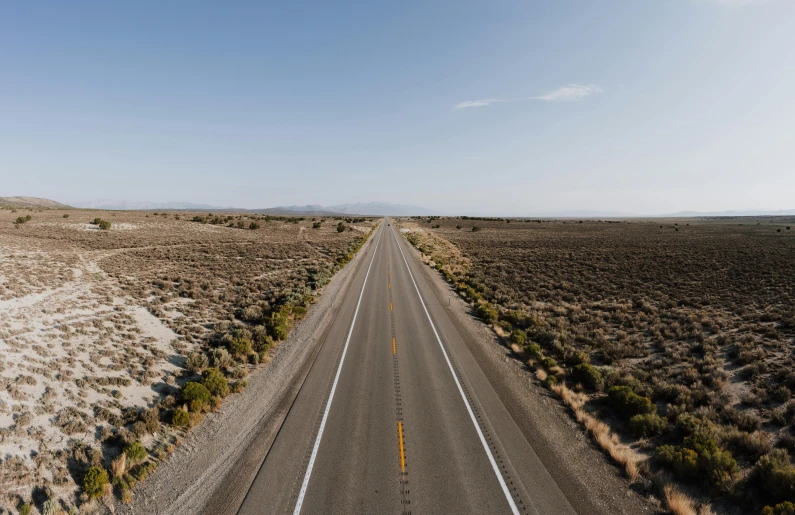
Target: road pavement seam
x=403, y=479
x=499, y=470
x=315, y=448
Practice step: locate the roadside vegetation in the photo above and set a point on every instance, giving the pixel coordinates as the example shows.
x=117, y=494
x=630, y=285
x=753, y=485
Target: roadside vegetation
x=672, y=342
x=135, y=334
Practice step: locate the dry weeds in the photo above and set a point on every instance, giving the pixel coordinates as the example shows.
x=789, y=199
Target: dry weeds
x=679, y=334
x=96, y=326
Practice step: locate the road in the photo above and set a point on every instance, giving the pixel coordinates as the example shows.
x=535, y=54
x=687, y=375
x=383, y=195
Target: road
x=395, y=415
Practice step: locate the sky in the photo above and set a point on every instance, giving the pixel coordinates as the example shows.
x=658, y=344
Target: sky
x=498, y=107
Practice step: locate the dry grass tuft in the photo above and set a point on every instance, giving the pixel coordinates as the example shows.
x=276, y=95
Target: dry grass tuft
x=600, y=431
x=678, y=502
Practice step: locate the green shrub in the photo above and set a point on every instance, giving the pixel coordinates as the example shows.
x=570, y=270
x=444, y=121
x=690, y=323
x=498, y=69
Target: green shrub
x=24, y=509
x=180, y=418
x=253, y=226
x=66, y=216
x=94, y=482
x=340, y=227
x=239, y=346
x=549, y=363
x=196, y=394
x=775, y=474
x=588, y=376
x=104, y=225
x=534, y=351
x=518, y=337
x=215, y=382
x=682, y=461
x=647, y=425
x=785, y=508
x=487, y=312
x=475, y=228
x=628, y=403
x=135, y=453
x=96, y=221
x=699, y=457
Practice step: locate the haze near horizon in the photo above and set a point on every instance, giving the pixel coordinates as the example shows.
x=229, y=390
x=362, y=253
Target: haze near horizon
x=510, y=109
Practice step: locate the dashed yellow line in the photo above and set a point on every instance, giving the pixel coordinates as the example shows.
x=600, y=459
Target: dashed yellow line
x=402, y=450
x=394, y=347
x=390, y=306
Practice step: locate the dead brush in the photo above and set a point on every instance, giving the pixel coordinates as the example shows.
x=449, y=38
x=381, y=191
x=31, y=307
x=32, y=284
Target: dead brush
x=119, y=466
x=607, y=440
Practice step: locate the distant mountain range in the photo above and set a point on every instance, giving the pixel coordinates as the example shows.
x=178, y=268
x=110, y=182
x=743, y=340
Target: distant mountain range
x=361, y=208
x=126, y=205
x=782, y=212
x=357, y=208
x=30, y=202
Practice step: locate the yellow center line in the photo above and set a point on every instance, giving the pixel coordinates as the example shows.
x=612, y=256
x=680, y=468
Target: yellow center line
x=390, y=306
x=394, y=347
x=389, y=285
x=402, y=451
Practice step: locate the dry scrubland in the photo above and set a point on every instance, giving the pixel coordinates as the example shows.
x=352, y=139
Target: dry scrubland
x=113, y=342
x=671, y=340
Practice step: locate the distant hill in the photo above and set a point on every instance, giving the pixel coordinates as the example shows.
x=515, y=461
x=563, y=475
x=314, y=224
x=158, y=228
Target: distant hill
x=31, y=202
x=361, y=208
x=131, y=205
x=782, y=212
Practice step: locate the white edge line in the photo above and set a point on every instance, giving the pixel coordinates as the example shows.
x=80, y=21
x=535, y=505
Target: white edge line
x=504, y=486
x=304, y=485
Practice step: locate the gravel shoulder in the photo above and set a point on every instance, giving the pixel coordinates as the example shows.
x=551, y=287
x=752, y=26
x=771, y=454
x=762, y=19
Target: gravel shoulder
x=217, y=461
x=590, y=481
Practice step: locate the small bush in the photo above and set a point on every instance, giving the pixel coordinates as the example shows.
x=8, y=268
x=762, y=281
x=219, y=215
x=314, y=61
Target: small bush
x=104, y=225
x=776, y=475
x=197, y=361
x=239, y=346
x=588, y=376
x=180, y=418
x=649, y=425
x=518, y=337
x=66, y=216
x=785, y=508
x=196, y=394
x=475, y=228
x=135, y=452
x=253, y=226
x=487, y=312
x=94, y=482
x=534, y=351
x=220, y=358
x=628, y=403
x=215, y=382
x=24, y=509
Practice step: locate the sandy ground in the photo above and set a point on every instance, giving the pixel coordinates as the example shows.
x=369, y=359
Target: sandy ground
x=71, y=344
x=198, y=473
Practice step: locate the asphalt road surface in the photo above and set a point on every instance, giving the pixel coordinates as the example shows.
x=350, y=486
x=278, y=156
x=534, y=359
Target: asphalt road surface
x=395, y=415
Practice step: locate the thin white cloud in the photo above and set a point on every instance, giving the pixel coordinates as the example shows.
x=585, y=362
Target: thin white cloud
x=477, y=103
x=570, y=92
x=737, y=3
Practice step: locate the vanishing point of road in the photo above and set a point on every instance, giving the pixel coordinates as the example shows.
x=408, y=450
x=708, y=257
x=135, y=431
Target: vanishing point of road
x=396, y=416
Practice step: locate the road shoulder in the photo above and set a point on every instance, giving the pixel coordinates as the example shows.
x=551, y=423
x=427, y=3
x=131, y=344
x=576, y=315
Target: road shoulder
x=590, y=482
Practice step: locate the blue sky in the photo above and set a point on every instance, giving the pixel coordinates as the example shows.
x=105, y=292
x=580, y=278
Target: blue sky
x=496, y=107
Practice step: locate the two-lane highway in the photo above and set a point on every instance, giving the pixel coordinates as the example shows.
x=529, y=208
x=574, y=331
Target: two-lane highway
x=395, y=416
